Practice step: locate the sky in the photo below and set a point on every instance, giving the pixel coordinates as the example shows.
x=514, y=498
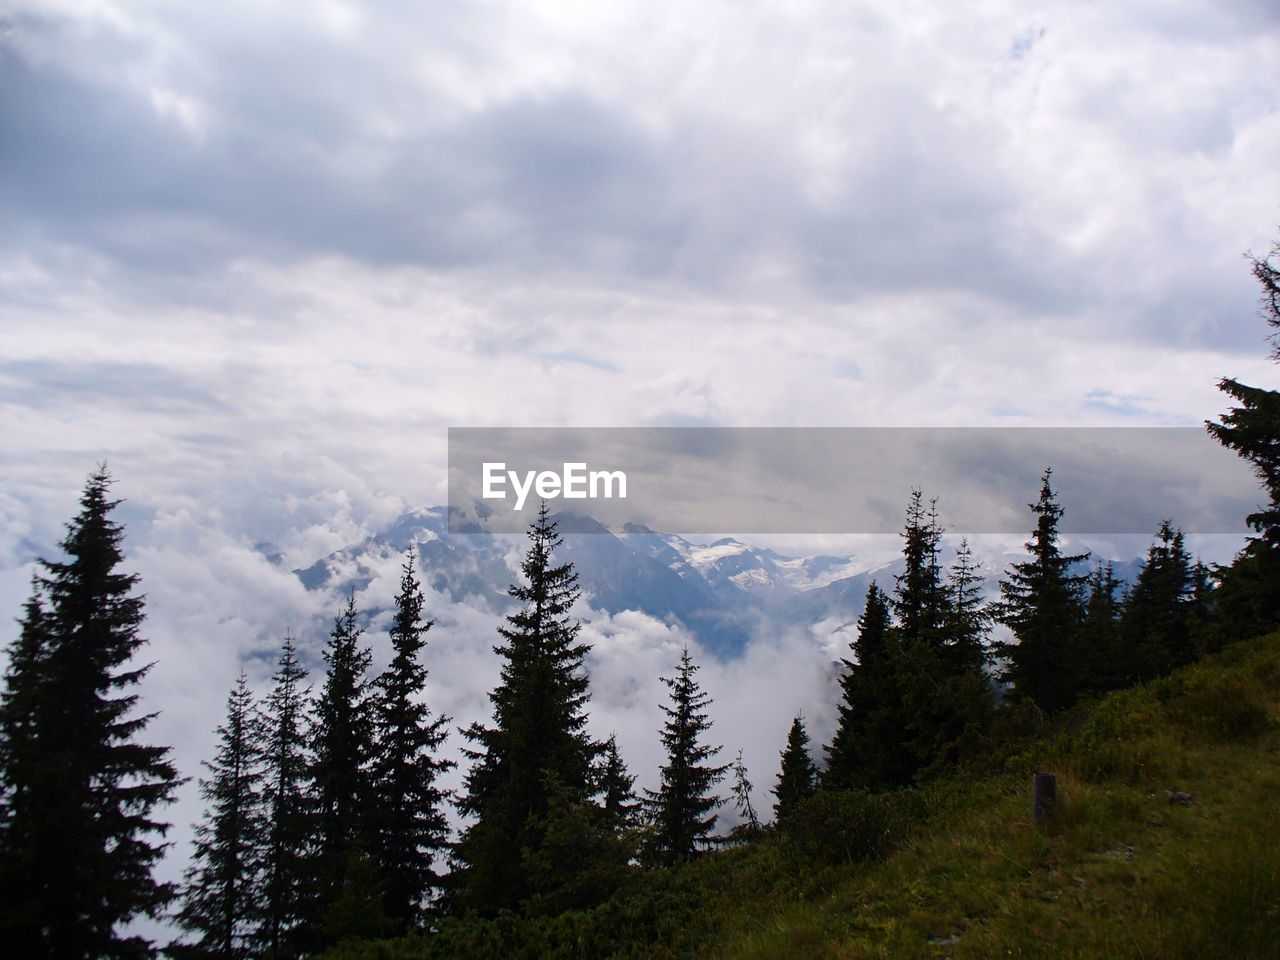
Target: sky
x=260, y=256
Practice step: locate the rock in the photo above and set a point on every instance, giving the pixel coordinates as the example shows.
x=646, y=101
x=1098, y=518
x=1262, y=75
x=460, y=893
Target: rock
x=1178, y=798
x=1122, y=851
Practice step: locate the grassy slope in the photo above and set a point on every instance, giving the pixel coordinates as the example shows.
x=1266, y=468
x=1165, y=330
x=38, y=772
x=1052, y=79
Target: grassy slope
x=1121, y=872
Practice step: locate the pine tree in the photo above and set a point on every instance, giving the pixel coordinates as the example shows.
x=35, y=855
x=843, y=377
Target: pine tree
x=615, y=787
x=286, y=831
x=968, y=620
x=222, y=891
x=539, y=729
x=22, y=715
x=1202, y=611
x=347, y=904
x=683, y=807
x=797, y=780
x=1042, y=603
x=408, y=804
x=1156, y=625
x=866, y=750
x=749, y=828
x=1248, y=597
x=82, y=833
x=920, y=601
x=1101, y=653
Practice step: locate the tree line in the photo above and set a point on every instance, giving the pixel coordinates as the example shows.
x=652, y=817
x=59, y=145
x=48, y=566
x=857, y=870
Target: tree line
x=325, y=818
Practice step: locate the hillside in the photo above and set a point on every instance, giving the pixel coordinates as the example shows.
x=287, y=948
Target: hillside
x=1166, y=844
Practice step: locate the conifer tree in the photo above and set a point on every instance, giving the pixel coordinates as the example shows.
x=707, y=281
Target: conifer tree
x=1042, y=603
x=749, y=828
x=82, y=838
x=1248, y=599
x=1101, y=652
x=683, y=807
x=347, y=903
x=1156, y=625
x=1202, y=611
x=580, y=859
x=222, y=890
x=920, y=602
x=539, y=729
x=967, y=619
x=22, y=714
x=408, y=803
x=285, y=870
x=797, y=780
x=615, y=787
x=866, y=750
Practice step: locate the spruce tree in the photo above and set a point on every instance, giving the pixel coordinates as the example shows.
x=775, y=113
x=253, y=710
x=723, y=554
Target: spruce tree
x=683, y=807
x=285, y=869
x=1042, y=603
x=539, y=730
x=920, y=602
x=1248, y=598
x=798, y=777
x=866, y=750
x=347, y=901
x=1101, y=651
x=615, y=787
x=82, y=838
x=749, y=828
x=967, y=618
x=1156, y=625
x=22, y=715
x=408, y=802
x=222, y=890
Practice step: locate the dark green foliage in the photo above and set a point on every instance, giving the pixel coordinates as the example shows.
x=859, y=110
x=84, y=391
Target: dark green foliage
x=940, y=701
x=285, y=836
x=615, y=787
x=798, y=778
x=222, y=889
x=1042, y=603
x=967, y=621
x=539, y=728
x=347, y=898
x=749, y=828
x=80, y=836
x=915, y=698
x=22, y=714
x=1099, y=641
x=408, y=805
x=1156, y=625
x=866, y=748
x=920, y=603
x=1249, y=599
x=683, y=807
x=843, y=827
x=581, y=858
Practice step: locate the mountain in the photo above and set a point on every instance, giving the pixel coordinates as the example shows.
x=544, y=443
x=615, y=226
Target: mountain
x=723, y=593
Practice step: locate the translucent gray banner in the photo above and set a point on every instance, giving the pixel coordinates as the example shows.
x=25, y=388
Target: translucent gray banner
x=844, y=480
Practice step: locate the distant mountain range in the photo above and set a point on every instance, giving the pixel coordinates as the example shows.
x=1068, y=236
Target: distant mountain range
x=723, y=592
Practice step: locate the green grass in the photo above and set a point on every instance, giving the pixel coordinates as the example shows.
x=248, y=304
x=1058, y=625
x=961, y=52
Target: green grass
x=957, y=869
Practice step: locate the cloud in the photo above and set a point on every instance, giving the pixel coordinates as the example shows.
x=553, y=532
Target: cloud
x=259, y=257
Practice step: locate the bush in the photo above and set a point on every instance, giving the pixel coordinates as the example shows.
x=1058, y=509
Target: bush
x=845, y=826
x=1221, y=708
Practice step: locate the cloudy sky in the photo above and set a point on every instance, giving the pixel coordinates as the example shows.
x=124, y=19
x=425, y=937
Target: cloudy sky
x=259, y=256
